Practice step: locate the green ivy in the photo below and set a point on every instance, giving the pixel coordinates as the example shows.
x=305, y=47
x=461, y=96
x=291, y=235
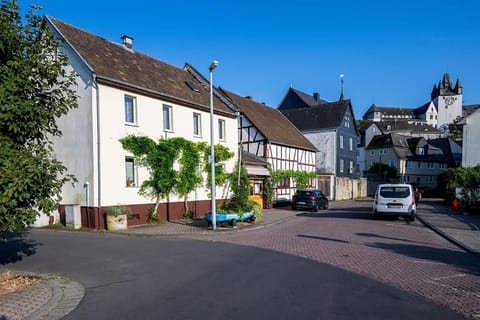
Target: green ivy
x=301, y=178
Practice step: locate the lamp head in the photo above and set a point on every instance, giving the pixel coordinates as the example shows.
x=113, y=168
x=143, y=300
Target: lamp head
x=213, y=65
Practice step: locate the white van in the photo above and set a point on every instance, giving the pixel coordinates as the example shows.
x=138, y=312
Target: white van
x=394, y=200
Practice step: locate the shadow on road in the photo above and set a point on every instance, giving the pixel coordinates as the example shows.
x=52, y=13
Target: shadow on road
x=321, y=238
x=342, y=213
x=466, y=261
x=15, y=246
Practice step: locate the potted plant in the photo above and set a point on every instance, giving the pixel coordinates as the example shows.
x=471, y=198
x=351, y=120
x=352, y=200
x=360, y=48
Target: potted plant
x=117, y=218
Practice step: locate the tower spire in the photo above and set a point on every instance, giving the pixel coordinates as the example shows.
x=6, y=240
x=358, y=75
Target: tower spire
x=341, y=93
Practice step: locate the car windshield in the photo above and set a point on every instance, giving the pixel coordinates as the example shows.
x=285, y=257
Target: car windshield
x=394, y=192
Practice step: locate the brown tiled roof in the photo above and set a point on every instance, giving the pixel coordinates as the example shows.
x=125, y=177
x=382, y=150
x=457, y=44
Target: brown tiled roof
x=250, y=158
x=270, y=122
x=118, y=66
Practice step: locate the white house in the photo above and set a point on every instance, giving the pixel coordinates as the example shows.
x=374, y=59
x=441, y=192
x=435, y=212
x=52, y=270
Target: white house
x=122, y=92
x=470, y=146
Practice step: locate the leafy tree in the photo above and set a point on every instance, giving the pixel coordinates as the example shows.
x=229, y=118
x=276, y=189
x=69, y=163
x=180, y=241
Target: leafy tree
x=222, y=154
x=35, y=90
x=383, y=171
x=240, y=187
x=456, y=130
x=466, y=178
x=160, y=158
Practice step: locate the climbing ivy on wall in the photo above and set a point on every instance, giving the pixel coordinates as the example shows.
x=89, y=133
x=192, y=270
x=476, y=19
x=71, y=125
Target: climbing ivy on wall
x=160, y=159
x=301, y=178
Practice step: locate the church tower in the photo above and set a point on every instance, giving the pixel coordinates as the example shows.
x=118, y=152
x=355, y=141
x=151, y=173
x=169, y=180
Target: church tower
x=448, y=100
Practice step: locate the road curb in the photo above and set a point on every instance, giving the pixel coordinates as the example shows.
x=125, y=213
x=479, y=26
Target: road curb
x=448, y=237
x=66, y=295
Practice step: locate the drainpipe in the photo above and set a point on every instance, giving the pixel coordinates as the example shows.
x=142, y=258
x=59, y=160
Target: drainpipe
x=99, y=167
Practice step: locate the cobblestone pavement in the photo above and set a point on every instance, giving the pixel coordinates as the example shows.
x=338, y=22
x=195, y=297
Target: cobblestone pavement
x=407, y=255
x=52, y=298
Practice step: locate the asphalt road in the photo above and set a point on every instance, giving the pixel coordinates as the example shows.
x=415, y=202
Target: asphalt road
x=157, y=278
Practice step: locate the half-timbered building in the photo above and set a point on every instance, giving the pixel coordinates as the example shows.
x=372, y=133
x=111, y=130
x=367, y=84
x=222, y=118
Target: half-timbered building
x=266, y=133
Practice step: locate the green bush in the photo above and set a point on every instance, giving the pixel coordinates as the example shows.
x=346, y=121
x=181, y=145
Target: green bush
x=117, y=210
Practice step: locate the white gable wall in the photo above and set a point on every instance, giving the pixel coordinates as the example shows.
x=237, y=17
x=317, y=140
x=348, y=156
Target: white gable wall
x=76, y=148
x=325, y=142
x=471, y=147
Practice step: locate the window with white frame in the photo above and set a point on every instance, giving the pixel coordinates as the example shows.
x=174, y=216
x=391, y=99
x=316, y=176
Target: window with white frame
x=167, y=118
x=130, y=172
x=392, y=163
x=372, y=152
x=442, y=165
x=406, y=178
x=419, y=165
x=221, y=129
x=197, y=124
x=430, y=165
x=130, y=109
x=382, y=152
x=350, y=170
x=341, y=142
x=341, y=165
x=350, y=140
x=429, y=179
x=408, y=164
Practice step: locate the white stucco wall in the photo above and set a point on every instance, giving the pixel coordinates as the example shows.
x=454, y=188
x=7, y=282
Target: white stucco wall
x=471, y=147
x=149, y=123
x=325, y=142
x=76, y=148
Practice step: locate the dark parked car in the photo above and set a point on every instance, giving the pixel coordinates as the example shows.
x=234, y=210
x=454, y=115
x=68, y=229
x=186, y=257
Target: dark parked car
x=312, y=199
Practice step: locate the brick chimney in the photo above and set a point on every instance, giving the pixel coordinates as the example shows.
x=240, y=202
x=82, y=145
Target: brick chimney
x=127, y=41
x=249, y=97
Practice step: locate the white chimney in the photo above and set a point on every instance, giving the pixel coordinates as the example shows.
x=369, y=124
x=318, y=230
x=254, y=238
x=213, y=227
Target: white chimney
x=127, y=41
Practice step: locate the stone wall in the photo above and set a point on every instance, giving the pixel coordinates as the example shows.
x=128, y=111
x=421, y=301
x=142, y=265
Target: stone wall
x=344, y=190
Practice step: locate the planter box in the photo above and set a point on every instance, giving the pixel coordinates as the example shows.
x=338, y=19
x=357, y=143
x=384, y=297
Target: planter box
x=231, y=218
x=116, y=223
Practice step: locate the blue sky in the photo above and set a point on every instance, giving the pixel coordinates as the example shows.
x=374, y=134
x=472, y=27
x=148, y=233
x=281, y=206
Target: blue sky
x=391, y=52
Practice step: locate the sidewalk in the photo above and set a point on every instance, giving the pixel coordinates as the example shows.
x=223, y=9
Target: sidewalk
x=458, y=227
x=199, y=226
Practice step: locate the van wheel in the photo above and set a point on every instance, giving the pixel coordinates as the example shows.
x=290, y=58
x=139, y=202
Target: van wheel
x=376, y=216
x=315, y=208
x=411, y=217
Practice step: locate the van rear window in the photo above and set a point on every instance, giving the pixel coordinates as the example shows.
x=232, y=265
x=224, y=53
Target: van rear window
x=394, y=192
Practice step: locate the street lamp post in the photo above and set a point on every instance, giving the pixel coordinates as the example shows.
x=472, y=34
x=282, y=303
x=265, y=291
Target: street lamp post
x=212, y=150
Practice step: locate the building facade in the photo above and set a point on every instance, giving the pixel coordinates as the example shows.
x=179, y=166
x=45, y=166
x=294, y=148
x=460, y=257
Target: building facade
x=265, y=133
x=122, y=92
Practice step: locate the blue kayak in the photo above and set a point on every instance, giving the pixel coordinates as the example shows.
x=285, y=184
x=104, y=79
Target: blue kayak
x=229, y=217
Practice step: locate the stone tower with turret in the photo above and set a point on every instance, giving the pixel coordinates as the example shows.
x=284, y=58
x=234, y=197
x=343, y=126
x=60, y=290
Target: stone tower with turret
x=448, y=100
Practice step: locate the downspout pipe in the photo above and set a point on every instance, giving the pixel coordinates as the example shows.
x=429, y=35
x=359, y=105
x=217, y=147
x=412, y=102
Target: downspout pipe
x=99, y=167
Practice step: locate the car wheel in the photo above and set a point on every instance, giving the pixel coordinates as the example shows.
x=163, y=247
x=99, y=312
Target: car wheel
x=315, y=208
x=376, y=216
x=325, y=206
x=294, y=208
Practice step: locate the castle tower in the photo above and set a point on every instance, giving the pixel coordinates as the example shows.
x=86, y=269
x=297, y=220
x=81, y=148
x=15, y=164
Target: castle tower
x=448, y=100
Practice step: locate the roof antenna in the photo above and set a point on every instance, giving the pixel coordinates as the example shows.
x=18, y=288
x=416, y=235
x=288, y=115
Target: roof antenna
x=341, y=94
